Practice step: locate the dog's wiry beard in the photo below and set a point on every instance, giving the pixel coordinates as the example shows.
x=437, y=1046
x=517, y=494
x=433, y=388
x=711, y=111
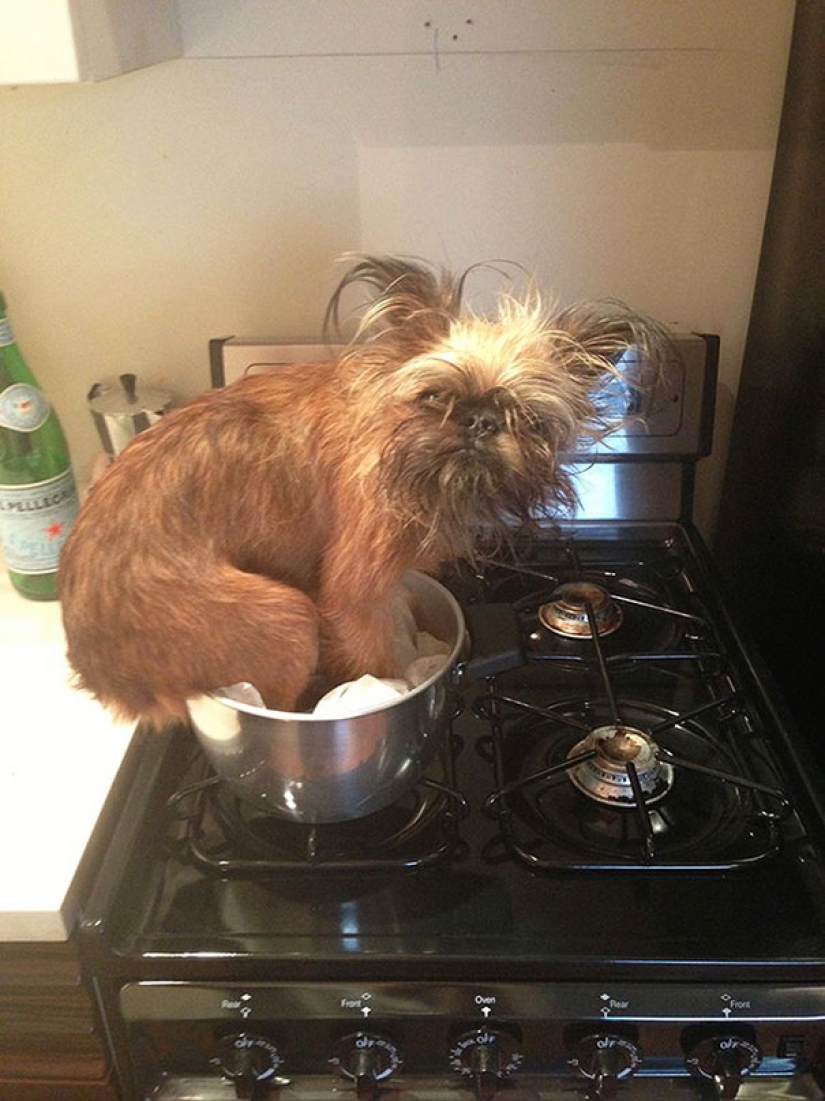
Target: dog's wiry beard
x=460, y=497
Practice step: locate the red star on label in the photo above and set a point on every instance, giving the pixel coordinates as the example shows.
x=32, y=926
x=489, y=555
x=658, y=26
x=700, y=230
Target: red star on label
x=54, y=531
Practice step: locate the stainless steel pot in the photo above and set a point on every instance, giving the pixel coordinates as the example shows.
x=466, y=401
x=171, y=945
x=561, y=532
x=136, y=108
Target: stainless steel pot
x=309, y=769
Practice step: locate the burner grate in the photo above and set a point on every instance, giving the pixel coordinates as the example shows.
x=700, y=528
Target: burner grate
x=628, y=602
x=225, y=836
x=711, y=819
x=603, y=778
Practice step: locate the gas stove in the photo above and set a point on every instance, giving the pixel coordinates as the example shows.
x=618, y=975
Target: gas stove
x=610, y=879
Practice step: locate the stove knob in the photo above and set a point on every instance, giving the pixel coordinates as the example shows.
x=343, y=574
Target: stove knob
x=724, y=1060
x=250, y=1061
x=604, y=1059
x=486, y=1056
x=366, y=1059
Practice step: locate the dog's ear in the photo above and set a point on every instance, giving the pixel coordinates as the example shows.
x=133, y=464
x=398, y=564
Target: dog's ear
x=603, y=332
x=605, y=329
x=404, y=296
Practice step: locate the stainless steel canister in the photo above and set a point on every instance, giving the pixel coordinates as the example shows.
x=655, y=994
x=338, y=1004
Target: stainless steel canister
x=120, y=410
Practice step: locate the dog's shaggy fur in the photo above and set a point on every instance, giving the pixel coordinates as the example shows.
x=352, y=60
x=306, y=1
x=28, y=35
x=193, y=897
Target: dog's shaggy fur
x=259, y=533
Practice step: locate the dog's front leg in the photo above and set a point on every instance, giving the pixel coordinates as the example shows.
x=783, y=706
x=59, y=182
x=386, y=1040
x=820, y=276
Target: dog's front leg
x=358, y=619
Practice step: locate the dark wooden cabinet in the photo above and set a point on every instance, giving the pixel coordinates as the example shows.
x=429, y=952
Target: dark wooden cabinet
x=50, y=1046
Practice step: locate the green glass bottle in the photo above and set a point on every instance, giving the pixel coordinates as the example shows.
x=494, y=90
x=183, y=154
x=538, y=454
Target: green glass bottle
x=38, y=495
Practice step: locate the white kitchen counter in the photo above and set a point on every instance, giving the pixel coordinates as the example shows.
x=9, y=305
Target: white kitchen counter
x=59, y=751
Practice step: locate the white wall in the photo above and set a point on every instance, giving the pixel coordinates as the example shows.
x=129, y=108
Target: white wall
x=210, y=195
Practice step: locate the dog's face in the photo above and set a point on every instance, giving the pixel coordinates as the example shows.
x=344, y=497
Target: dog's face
x=467, y=434
x=461, y=421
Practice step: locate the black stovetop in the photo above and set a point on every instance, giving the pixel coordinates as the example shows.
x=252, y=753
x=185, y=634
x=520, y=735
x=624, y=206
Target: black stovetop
x=485, y=875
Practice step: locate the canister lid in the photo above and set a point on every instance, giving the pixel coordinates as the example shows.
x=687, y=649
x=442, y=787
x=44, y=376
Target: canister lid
x=110, y=398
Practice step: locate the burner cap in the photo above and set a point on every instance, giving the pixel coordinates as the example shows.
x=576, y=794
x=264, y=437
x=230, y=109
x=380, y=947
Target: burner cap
x=566, y=611
x=605, y=777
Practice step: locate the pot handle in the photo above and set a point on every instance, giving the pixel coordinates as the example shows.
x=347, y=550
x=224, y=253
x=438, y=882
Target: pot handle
x=495, y=641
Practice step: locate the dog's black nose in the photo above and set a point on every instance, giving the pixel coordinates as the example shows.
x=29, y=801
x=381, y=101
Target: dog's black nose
x=480, y=422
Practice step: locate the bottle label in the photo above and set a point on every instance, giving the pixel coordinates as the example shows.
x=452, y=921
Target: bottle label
x=6, y=335
x=23, y=408
x=35, y=521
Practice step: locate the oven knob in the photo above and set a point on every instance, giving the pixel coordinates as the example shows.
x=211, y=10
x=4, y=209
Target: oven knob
x=366, y=1059
x=250, y=1061
x=486, y=1056
x=604, y=1059
x=724, y=1060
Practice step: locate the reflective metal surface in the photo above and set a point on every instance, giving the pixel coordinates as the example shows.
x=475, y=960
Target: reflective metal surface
x=799, y=1088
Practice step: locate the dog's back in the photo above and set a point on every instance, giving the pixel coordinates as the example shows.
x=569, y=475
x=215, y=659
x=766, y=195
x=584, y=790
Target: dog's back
x=192, y=559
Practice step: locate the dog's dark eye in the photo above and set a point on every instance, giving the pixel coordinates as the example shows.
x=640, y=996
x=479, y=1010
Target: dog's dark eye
x=431, y=397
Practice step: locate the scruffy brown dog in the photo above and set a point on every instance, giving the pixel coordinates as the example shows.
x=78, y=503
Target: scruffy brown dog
x=259, y=533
